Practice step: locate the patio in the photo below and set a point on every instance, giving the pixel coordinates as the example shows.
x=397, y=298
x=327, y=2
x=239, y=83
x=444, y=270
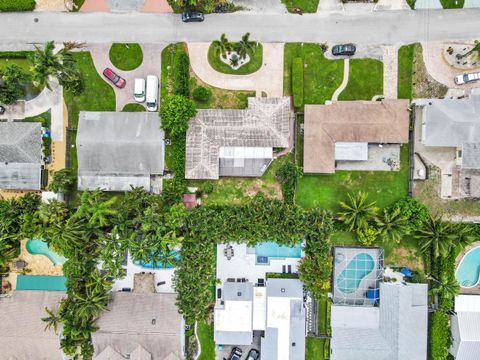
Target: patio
x=381, y=157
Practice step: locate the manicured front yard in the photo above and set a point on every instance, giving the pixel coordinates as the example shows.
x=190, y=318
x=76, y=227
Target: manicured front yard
x=326, y=191
x=405, y=71
x=365, y=80
x=255, y=63
x=205, y=335
x=308, y=6
x=321, y=76
x=126, y=56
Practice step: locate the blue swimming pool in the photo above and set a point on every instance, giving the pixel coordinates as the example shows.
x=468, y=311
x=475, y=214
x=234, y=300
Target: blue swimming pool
x=468, y=271
x=350, y=278
x=271, y=249
x=160, y=264
x=40, y=247
x=34, y=282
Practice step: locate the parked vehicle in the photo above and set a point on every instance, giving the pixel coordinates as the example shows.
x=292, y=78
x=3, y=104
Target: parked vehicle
x=152, y=93
x=139, y=90
x=253, y=354
x=192, y=16
x=467, y=78
x=236, y=354
x=2, y=110
x=114, y=78
x=344, y=50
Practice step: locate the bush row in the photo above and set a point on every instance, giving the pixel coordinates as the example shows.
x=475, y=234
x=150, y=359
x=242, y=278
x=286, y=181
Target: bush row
x=17, y=5
x=297, y=82
x=181, y=74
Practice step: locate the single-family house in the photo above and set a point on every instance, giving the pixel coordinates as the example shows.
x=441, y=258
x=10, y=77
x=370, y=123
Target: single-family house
x=354, y=135
x=20, y=155
x=397, y=329
x=140, y=326
x=228, y=142
x=120, y=150
x=465, y=327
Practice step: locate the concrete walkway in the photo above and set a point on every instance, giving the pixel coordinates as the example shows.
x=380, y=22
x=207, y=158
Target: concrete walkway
x=150, y=66
x=343, y=85
x=390, y=72
x=269, y=78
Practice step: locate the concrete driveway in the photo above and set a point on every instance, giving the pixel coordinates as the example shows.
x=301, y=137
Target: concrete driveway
x=150, y=66
x=268, y=78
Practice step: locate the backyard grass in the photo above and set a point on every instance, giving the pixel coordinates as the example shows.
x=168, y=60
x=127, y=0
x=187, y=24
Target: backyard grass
x=365, y=80
x=205, y=335
x=321, y=76
x=308, y=6
x=314, y=348
x=126, y=56
x=255, y=63
x=405, y=71
x=452, y=4
x=17, y=5
x=228, y=191
x=344, y=238
x=133, y=108
x=326, y=191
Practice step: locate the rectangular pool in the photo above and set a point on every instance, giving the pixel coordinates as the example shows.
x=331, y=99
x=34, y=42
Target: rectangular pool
x=271, y=249
x=34, y=282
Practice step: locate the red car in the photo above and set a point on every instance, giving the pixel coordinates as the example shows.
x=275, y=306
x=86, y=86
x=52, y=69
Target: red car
x=114, y=78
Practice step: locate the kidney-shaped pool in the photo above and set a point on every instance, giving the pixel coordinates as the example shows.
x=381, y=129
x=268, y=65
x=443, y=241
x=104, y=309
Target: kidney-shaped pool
x=468, y=271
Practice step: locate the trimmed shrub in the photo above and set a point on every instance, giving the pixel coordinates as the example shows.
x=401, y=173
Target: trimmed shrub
x=287, y=175
x=201, y=94
x=297, y=82
x=17, y=5
x=181, y=74
x=207, y=188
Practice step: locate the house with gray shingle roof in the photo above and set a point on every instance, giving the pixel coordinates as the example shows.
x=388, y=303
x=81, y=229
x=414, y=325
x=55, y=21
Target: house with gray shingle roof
x=226, y=142
x=20, y=155
x=395, y=330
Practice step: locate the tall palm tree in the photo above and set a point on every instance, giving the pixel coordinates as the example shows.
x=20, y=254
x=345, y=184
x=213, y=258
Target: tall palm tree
x=437, y=235
x=392, y=226
x=357, y=212
x=245, y=46
x=51, y=320
x=98, y=211
x=222, y=46
x=446, y=287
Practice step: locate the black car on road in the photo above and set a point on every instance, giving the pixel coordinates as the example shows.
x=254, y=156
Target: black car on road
x=192, y=16
x=343, y=50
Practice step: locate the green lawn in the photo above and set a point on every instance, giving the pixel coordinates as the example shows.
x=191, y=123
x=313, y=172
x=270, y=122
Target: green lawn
x=365, y=80
x=205, y=335
x=255, y=63
x=405, y=71
x=22, y=63
x=344, y=238
x=126, y=56
x=314, y=348
x=321, y=76
x=43, y=118
x=78, y=4
x=325, y=191
x=308, y=6
x=19, y=58
x=133, y=108
x=98, y=96
x=452, y=4
x=17, y=5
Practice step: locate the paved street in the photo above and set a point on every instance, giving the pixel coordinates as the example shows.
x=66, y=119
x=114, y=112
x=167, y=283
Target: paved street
x=389, y=27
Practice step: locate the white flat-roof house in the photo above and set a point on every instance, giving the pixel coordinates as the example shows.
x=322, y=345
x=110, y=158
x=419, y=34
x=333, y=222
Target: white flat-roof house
x=465, y=326
x=276, y=309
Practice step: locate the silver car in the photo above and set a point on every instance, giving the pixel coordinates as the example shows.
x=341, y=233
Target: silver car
x=467, y=78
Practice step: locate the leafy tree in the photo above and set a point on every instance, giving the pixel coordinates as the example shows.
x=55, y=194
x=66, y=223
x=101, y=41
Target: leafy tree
x=62, y=182
x=245, y=46
x=287, y=175
x=392, y=226
x=11, y=80
x=357, y=213
x=201, y=94
x=175, y=112
x=415, y=212
x=367, y=235
x=222, y=46
x=437, y=236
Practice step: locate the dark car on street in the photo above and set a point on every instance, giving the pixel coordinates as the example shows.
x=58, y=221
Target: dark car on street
x=236, y=354
x=253, y=354
x=192, y=16
x=114, y=78
x=343, y=50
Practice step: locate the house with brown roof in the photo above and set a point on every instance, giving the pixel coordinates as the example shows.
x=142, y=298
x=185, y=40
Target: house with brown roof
x=354, y=135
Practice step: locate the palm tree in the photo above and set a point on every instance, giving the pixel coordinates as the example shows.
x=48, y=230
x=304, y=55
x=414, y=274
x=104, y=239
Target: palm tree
x=357, y=212
x=222, y=46
x=98, y=211
x=476, y=48
x=245, y=46
x=392, y=226
x=437, y=235
x=51, y=320
x=445, y=287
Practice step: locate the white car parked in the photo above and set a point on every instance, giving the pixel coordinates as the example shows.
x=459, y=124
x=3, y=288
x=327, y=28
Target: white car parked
x=467, y=78
x=139, y=90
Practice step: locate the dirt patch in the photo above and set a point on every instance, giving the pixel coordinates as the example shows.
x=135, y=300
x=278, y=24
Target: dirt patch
x=424, y=86
x=406, y=257
x=271, y=190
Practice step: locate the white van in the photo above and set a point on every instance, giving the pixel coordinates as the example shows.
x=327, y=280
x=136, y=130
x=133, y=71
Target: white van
x=152, y=93
x=139, y=90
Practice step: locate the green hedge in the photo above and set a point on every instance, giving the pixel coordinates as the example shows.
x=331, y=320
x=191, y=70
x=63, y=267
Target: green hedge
x=17, y=5
x=297, y=82
x=181, y=74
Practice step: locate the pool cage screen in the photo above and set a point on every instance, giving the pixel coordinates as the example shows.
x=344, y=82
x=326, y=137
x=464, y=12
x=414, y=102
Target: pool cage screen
x=357, y=273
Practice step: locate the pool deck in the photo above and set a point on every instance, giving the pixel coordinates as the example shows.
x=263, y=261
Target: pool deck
x=243, y=264
x=476, y=289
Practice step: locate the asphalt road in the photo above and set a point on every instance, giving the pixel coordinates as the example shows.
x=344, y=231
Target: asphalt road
x=388, y=27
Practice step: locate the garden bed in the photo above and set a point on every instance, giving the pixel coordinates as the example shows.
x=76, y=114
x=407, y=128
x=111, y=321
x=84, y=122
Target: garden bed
x=253, y=65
